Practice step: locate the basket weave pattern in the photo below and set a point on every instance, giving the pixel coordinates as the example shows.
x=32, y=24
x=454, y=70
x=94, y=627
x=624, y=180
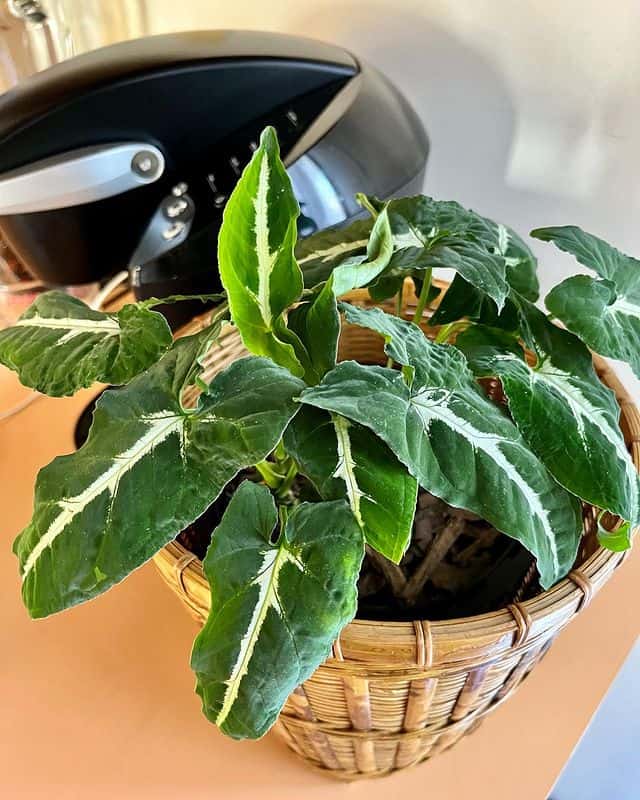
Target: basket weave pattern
x=396, y=693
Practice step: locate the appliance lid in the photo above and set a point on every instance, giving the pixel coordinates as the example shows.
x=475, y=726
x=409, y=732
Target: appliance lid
x=47, y=90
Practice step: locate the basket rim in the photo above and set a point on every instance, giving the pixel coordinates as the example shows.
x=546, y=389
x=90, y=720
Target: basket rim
x=518, y=625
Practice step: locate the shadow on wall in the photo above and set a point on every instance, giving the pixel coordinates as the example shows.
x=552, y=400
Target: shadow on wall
x=523, y=160
x=459, y=95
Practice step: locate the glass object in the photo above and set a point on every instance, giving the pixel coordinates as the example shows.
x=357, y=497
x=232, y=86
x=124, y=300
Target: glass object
x=34, y=34
x=96, y=23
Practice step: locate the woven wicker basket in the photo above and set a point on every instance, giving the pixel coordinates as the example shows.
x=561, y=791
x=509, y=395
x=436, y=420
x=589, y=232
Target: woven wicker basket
x=396, y=693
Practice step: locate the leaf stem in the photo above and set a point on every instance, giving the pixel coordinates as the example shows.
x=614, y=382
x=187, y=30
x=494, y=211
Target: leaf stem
x=363, y=200
x=287, y=481
x=270, y=476
x=446, y=331
x=424, y=295
x=280, y=454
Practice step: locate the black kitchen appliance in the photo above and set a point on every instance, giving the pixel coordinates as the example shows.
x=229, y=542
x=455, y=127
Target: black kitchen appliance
x=125, y=156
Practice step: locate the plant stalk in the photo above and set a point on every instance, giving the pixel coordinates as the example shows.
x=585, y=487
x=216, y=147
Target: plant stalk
x=423, y=296
x=270, y=476
x=437, y=551
x=446, y=331
x=287, y=481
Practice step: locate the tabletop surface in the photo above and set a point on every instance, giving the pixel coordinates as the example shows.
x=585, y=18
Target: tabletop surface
x=98, y=702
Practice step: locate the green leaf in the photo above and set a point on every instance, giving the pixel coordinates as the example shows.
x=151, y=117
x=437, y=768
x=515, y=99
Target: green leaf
x=358, y=271
x=594, y=253
x=255, y=255
x=607, y=322
x=205, y=339
x=60, y=345
x=316, y=323
x=150, y=302
x=477, y=266
x=617, y=540
x=148, y=469
x=277, y=607
x=464, y=300
x=605, y=313
x=522, y=267
x=320, y=254
x=563, y=411
x=386, y=286
x=456, y=442
x=345, y=459
x=433, y=233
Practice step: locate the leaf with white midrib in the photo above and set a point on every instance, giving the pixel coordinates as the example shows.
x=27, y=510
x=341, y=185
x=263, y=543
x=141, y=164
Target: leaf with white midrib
x=604, y=313
x=567, y=416
x=431, y=233
x=318, y=255
x=343, y=459
x=454, y=440
x=87, y=533
x=256, y=255
x=276, y=607
x=60, y=344
x=346, y=467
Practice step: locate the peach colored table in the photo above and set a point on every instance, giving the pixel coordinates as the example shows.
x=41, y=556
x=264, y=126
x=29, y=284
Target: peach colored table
x=98, y=702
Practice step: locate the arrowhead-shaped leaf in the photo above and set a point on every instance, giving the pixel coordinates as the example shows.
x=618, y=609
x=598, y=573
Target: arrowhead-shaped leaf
x=148, y=469
x=434, y=233
x=277, y=607
x=355, y=255
x=594, y=253
x=60, y=345
x=256, y=255
x=605, y=313
x=454, y=440
x=345, y=459
x=563, y=411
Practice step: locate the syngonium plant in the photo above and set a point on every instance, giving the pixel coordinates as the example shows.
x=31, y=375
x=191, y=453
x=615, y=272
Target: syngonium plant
x=283, y=571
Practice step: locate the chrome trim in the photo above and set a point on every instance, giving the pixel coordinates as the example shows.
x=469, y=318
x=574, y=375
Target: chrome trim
x=326, y=119
x=79, y=176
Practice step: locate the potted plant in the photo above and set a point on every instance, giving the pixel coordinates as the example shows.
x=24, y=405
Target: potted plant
x=295, y=475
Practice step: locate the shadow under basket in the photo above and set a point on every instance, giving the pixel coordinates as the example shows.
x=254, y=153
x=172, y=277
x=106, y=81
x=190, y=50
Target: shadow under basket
x=396, y=693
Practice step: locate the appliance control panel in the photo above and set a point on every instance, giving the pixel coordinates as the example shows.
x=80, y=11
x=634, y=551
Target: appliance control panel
x=196, y=201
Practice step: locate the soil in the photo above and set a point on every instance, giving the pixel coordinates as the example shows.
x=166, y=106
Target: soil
x=457, y=564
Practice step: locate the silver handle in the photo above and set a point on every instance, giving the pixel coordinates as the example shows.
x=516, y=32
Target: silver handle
x=79, y=176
